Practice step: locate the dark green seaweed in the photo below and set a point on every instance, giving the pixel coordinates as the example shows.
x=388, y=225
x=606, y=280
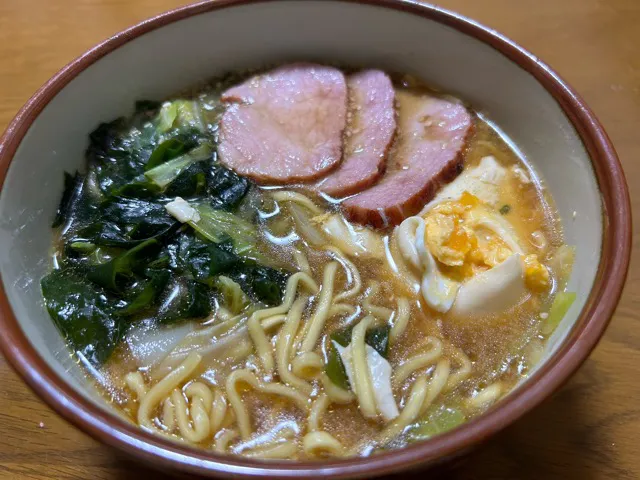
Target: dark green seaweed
x=123, y=257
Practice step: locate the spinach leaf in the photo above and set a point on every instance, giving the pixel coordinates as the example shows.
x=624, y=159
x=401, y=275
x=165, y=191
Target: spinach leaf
x=111, y=274
x=83, y=314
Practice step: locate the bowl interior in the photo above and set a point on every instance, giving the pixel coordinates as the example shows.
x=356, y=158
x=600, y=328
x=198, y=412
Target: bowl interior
x=182, y=53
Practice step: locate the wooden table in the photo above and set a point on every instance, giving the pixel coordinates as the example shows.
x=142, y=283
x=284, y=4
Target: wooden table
x=589, y=430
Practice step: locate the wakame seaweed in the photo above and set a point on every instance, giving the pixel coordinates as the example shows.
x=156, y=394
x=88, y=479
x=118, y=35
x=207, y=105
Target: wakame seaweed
x=123, y=257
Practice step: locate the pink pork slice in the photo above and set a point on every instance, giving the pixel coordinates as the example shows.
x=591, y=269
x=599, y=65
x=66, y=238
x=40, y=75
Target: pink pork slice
x=286, y=125
x=371, y=125
x=428, y=153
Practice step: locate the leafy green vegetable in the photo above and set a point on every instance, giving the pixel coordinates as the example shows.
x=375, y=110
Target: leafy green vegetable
x=82, y=247
x=191, y=182
x=72, y=184
x=226, y=187
x=107, y=142
x=261, y=283
x=439, y=421
x=83, y=314
x=111, y=274
x=182, y=114
x=167, y=116
x=206, y=260
x=138, y=188
x=561, y=264
x=165, y=173
x=559, y=308
x=335, y=368
x=140, y=219
x=168, y=150
x=218, y=225
x=147, y=108
x=186, y=299
x=377, y=338
x=125, y=256
x=505, y=209
x=233, y=298
x=144, y=294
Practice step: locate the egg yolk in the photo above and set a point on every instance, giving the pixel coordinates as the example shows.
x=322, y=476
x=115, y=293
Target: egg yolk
x=463, y=252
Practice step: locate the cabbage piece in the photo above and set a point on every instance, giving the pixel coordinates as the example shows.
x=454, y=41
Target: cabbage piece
x=170, y=149
x=219, y=225
x=440, y=421
x=380, y=374
x=165, y=173
x=180, y=209
x=149, y=343
x=306, y=227
x=559, y=309
x=183, y=114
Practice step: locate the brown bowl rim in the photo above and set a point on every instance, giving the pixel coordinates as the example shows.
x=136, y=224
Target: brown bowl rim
x=593, y=320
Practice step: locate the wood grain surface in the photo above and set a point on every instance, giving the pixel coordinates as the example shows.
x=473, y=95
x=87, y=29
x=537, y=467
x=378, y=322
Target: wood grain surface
x=589, y=430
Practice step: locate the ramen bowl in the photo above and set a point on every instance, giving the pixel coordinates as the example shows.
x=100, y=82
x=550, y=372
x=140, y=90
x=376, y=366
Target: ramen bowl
x=547, y=120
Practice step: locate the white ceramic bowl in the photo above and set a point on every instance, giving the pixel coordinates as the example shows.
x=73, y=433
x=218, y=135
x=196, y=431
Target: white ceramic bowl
x=549, y=124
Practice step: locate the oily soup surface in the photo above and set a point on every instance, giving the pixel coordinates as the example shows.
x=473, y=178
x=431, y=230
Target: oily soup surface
x=252, y=375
